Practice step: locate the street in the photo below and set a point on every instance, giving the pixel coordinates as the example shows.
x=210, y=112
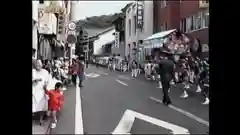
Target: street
x=113, y=102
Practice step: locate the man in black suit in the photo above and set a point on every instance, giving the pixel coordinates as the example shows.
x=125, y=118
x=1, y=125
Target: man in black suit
x=166, y=71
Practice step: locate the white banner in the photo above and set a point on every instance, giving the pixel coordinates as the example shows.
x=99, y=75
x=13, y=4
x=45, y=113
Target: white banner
x=47, y=24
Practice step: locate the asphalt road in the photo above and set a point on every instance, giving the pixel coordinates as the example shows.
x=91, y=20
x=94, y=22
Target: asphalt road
x=106, y=96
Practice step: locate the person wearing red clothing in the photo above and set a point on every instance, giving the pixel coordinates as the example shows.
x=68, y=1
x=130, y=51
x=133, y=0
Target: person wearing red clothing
x=55, y=101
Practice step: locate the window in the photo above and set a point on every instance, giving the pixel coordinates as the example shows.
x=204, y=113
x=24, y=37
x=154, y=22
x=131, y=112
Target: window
x=45, y=52
x=195, y=22
x=133, y=7
x=183, y=25
x=192, y=20
x=163, y=27
x=134, y=45
x=189, y=24
x=163, y=3
x=198, y=21
x=129, y=24
x=128, y=10
x=135, y=25
x=205, y=19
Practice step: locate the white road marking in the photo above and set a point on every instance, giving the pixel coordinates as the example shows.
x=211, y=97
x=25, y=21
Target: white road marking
x=124, y=77
x=103, y=73
x=126, y=123
x=121, y=82
x=92, y=75
x=78, y=111
x=192, y=116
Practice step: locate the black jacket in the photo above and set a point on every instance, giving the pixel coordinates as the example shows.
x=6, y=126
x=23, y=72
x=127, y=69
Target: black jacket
x=166, y=70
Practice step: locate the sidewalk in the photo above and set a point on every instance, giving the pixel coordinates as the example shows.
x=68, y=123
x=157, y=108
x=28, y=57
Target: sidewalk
x=38, y=129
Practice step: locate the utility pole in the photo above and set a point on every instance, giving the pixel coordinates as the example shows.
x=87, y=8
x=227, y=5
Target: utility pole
x=86, y=52
x=85, y=41
x=71, y=38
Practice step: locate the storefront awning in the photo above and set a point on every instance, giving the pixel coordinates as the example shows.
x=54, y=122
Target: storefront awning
x=156, y=45
x=160, y=35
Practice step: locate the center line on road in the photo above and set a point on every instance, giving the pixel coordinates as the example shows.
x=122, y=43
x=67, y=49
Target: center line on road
x=103, y=73
x=78, y=112
x=121, y=82
x=123, y=77
x=194, y=117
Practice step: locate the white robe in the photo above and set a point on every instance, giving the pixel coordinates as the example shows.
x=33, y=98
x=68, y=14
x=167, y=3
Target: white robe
x=148, y=69
x=40, y=100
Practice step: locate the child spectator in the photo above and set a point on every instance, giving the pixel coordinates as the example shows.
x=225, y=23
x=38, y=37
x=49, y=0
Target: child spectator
x=55, y=101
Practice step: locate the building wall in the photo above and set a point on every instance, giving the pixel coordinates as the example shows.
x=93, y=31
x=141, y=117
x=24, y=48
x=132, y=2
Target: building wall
x=174, y=12
x=191, y=8
x=104, y=38
x=168, y=15
x=34, y=30
x=147, y=26
x=120, y=50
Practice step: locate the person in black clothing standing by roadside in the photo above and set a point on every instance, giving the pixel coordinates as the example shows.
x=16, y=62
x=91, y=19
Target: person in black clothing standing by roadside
x=73, y=71
x=166, y=71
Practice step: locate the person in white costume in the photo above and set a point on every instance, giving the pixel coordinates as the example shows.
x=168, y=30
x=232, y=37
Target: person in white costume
x=40, y=100
x=148, y=70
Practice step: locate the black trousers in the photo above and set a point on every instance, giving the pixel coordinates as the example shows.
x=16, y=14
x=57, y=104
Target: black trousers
x=205, y=90
x=74, y=79
x=165, y=88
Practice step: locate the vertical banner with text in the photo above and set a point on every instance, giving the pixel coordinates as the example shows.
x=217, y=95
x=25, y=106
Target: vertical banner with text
x=116, y=39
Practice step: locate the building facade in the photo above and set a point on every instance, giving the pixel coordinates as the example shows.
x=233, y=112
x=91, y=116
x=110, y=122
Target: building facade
x=191, y=17
x=131, y=36
x=35, y=25
x=166, y=15
x=51, y=30
x=194, y=19
x=119, y=24
x=103, y=45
